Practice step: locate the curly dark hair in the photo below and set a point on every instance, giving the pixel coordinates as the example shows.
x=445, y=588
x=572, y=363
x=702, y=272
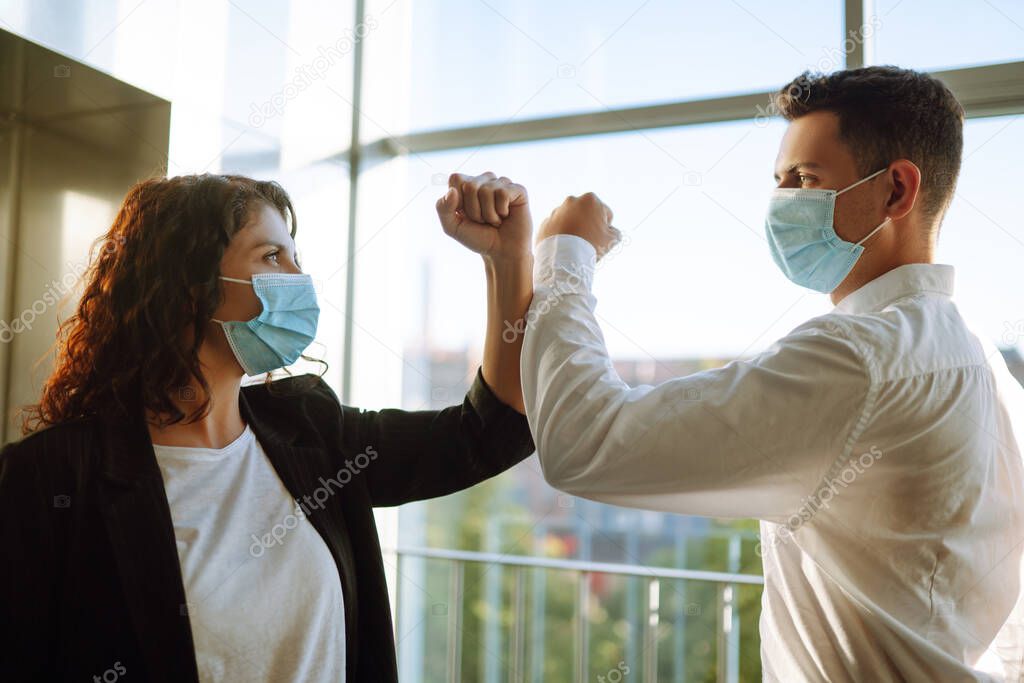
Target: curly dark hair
x=151, y=288
x=888, y=113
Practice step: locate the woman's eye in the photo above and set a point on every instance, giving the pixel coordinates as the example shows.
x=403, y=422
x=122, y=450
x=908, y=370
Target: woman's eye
x=272, y=255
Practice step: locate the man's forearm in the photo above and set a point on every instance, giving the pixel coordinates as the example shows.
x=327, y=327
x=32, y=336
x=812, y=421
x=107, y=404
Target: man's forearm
x=509, y=292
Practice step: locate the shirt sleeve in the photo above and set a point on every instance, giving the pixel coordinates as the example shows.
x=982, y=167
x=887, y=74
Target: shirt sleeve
x=420, y=454
x=751, y=439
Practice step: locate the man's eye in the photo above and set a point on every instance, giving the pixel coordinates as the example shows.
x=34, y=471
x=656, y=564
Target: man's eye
x=272, y=255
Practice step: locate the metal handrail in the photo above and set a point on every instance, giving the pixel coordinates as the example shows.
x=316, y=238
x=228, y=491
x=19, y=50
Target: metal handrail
x=579, y=565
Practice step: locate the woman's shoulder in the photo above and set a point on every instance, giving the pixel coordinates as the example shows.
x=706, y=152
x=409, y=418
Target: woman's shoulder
x=293, y=389
x=296, y=399
x=54, y=451
x=46, y=437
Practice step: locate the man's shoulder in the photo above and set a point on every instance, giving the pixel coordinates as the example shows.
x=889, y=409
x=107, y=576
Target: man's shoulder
x=914, y=335
x=832, y=333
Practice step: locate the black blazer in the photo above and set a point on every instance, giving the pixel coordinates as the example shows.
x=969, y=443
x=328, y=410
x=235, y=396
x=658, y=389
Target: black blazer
x=89, y=575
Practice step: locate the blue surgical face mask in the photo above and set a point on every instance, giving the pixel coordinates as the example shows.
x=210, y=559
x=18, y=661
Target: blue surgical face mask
x=283, y=329
x=803, y=240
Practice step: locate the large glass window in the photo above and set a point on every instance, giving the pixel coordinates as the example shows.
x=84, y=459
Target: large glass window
x=943, y=34
x=473, y=62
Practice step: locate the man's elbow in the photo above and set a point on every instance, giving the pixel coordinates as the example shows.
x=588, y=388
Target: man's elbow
x=563, y=463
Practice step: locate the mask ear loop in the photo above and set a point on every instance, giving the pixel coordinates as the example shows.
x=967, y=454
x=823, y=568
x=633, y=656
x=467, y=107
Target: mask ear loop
x=862, y=180
x=230, y=279
x=868, y=236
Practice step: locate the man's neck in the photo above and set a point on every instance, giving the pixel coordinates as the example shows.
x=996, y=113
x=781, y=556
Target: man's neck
x=867, y=270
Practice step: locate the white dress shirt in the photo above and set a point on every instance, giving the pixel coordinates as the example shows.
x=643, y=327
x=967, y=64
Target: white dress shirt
x=263, y=591
x=880, y=445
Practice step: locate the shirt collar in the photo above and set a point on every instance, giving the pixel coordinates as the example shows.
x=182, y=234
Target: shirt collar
x=900, y=282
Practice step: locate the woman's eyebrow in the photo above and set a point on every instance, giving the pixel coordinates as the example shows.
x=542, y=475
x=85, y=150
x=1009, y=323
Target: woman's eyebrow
x=261, y=245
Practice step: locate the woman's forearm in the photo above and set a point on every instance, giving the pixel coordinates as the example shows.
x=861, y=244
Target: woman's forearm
x=509, y=292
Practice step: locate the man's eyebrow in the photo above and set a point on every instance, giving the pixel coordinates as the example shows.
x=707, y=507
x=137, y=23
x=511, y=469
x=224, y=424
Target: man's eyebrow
x=799, y=164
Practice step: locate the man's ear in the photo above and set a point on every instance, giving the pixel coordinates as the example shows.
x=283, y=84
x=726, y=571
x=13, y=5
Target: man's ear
x=906, y=186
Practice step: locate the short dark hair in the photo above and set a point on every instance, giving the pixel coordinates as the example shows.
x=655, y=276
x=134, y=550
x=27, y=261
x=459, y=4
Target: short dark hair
x=887, y=113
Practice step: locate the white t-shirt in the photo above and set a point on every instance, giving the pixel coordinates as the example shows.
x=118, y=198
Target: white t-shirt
x=264, y=595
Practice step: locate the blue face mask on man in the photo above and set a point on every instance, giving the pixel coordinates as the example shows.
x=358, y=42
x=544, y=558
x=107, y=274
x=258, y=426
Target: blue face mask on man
x=283, y=329
x=803, y=240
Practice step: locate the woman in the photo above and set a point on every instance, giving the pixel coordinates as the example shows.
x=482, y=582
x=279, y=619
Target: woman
x=161, y=522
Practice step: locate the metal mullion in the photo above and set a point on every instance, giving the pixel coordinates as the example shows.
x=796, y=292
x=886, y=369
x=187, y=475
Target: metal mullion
x=581, y=630
x=354, y=158
x=455, y=622
x=649, y=640
x=736, y=107
x=989, y=90
x=853, y=19
x=517, y=641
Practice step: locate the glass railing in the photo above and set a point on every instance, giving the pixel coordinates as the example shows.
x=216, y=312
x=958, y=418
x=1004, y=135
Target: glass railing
x=490, y=617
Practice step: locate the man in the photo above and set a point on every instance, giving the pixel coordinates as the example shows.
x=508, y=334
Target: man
x=880, y=444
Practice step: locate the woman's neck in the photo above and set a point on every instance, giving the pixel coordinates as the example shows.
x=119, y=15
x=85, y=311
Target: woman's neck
x=222, y=424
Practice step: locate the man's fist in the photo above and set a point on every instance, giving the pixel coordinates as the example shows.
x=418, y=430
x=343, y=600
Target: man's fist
x=487, y=214
x=585, y=216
